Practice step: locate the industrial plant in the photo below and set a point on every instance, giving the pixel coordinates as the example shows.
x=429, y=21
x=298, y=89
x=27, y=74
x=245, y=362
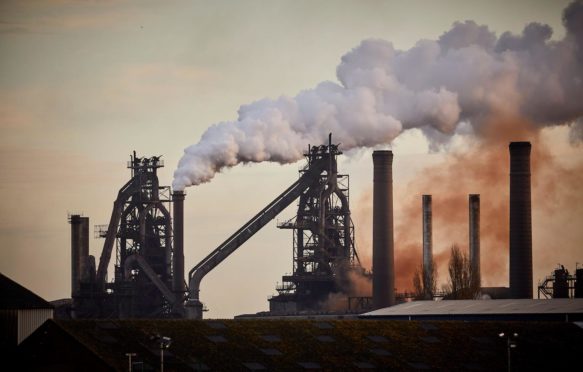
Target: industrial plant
x=148, y=277
x=145, y=235
x=119, y=318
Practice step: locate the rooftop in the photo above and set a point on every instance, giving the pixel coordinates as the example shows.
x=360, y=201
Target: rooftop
x=14, y=296
x=297, y=344
x=555, y=309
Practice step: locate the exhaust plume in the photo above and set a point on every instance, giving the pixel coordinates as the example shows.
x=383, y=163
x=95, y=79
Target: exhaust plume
x=464, y=76
x=482, y=168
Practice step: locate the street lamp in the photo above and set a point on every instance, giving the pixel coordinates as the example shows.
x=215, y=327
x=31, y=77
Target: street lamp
x=510, y=343
x=164, y=344
x=130, y=355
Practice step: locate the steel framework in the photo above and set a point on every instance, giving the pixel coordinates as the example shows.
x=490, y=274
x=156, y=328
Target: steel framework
x=141, y=230
x=323, y=238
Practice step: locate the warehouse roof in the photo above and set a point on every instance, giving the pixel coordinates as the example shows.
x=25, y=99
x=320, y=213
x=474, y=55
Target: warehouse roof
x=485, y=309
x=300, y=344
x=15, y=296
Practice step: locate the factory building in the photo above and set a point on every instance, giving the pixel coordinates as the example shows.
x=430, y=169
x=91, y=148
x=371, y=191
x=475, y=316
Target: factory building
x=21, y=313
x=290, y=345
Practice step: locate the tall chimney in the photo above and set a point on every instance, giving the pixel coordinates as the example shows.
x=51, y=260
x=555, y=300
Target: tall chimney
x=474, y=211
x=383, y=283
x=520, y=221
x=427, y=240
x=79, y=250
x=178, y=253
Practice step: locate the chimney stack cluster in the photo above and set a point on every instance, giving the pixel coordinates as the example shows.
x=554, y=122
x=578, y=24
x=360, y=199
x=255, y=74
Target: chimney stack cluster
x=520, y=228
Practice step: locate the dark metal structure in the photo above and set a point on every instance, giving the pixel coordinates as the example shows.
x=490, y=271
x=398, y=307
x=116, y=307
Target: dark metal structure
x=561, y=284
x=520, y=221
x=324, y=216
x=178, y=284
x=323, y=238
x=140, y=229
x=427, y=216
x=383, y=264
x=79, y=250
x=579, y=282
x=474, y=235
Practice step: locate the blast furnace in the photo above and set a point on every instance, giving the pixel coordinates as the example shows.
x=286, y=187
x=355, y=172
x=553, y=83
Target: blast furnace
x=140, y=230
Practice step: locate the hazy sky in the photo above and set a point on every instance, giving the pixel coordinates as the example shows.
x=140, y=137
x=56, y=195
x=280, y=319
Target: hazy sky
x=84, y=83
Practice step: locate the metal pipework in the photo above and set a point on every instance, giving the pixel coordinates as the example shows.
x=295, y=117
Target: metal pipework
x=427, y=236
x=474, y=217
x=178, y=285
x=79, y=250
x=383, y=283
x=193, y=308
x=520, y=221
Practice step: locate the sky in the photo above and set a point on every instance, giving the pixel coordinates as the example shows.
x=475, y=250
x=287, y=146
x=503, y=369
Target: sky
x=84, y=83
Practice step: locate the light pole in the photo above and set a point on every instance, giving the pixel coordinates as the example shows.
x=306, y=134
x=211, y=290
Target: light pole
x=510, y=344
x=164, y=344
x=130, y=355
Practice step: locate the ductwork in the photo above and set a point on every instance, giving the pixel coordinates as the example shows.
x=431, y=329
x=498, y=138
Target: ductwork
x=383, y=286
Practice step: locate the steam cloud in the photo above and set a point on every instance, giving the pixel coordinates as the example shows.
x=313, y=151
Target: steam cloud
x=466, y=75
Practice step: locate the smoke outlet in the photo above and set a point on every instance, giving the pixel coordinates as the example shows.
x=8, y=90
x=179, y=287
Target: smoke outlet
x=520, y=221
x=178, y=284
x=383, y=285
x=79, y=250
x=427, y=236
x=474, y=218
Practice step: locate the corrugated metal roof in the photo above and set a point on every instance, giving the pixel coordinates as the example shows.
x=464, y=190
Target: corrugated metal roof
x=481, y=307
x=14, y=296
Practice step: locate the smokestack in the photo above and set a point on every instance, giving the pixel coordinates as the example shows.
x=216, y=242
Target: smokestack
x=474, y=210
x=383, y=283
x=427, y=238
x=178, y=253
x=520, y=221
x=79, y=250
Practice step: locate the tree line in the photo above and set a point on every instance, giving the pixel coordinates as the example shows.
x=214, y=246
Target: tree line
x=463, y=281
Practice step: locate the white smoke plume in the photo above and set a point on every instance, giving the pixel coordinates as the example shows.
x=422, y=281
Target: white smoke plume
x=466, y=75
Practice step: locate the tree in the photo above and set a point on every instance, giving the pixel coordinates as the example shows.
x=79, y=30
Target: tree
x=462, y=282
x=425, y=282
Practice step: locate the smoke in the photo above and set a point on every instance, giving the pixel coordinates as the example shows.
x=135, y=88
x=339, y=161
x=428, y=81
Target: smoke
x=466, y=75
x=483, y=168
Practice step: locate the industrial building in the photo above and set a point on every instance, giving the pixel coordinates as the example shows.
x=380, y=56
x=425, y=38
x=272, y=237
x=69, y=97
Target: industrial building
x=323, y=239
x=562, y=310
x=21, y=313
x=147, y=226
x=324, y=250
x=291, y=345
x=148, y=273
x=146, y=231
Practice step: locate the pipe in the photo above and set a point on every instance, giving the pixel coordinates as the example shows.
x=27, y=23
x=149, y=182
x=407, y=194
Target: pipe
x=427, y=238
x=383, y=284
x=79, y=250
x=520, y=221
x=178, y=284
x=474, y=216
